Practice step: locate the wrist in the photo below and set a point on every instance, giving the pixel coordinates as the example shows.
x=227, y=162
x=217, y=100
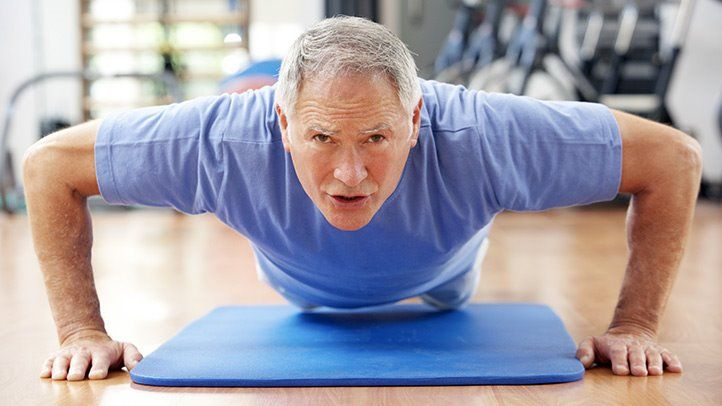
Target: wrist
x=632, y=327
x=74, y=333
x=634, y=318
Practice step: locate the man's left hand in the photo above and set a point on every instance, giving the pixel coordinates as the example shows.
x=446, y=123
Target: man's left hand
x=627, y=351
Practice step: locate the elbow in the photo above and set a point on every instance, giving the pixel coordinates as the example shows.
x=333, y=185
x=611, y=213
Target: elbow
x=31, y=163
x=63, y=162
x=37, y=163
x=688, y=153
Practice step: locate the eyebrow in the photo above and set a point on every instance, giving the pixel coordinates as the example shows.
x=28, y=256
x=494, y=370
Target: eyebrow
x=319, y=129
x=377, y=128
x=374, y=129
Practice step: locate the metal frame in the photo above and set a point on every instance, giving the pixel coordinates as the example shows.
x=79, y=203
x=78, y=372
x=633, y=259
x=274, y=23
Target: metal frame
x=7, y=178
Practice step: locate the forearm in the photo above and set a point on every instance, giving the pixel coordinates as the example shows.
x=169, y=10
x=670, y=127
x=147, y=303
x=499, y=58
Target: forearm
x=658, y=224
x=62, y=235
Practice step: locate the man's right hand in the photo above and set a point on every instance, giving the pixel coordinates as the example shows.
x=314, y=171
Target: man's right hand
x=58, y=177
x=89, y=350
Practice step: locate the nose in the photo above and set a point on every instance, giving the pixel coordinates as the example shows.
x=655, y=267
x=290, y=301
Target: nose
x=351, y=169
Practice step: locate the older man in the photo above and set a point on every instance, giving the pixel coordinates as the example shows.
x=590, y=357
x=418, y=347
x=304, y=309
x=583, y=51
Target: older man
x=359, y=184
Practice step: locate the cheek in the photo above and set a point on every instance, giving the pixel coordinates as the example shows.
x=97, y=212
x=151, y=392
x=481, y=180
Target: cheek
x=382, y=168
x=393, y=165
x=378, y=169
x=314, y=165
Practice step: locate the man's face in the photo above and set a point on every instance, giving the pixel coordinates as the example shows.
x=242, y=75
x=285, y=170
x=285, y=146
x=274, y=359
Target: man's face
x=349, y=138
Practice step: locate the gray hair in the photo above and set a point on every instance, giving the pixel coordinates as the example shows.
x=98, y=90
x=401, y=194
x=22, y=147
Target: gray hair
x=341, y=45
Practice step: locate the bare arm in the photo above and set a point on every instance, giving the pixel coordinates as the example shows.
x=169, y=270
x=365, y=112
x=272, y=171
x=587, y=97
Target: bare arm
x=661, y=168
x=664, y=180
x=59, y=176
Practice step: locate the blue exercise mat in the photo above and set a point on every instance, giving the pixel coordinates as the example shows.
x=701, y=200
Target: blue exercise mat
x=383, y=346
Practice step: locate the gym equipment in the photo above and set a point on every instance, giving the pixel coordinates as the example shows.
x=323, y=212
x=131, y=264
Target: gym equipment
x=622, y=57
x=627, y=23
x=496, y=344
x=453, y=48
x=483, y=46
x=533, y=64
x=8, y=184
x=511, y=73
x=670, y=56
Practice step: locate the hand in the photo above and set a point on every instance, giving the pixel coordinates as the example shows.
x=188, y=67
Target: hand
x=628, y=351
x=89, y=349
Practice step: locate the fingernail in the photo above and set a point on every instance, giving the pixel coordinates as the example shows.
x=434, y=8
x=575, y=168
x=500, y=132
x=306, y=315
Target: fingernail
x=640, y=371
x=584, y=359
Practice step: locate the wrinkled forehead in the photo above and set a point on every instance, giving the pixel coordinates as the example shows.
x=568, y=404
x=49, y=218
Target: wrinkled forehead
x=367, y=98
x=338, y=80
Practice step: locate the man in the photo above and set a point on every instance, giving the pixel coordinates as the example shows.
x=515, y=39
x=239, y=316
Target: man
x=359, y=184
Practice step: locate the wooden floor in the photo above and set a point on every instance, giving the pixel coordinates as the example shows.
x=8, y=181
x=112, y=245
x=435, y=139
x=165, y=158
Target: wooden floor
x=157, y=271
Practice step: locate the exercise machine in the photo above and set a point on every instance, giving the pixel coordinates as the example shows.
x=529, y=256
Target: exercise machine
x=10, y=193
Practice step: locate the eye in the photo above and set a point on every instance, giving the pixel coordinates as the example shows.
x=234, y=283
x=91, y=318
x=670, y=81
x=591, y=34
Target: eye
x=322, y=138
x=376, y=138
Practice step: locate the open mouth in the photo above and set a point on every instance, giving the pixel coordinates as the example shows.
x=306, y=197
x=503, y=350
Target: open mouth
x=349, y=201
x=349, y=198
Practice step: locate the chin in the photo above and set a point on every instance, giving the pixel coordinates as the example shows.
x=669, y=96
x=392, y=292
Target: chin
x=347, y=222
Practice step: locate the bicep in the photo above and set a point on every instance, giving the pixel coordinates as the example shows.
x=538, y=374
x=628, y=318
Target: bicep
x=68, y=156
x=651, y=152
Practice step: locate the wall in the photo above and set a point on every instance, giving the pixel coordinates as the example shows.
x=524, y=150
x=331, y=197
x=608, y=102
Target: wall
x=695, y=91
x=38, y=36
x=277, y=23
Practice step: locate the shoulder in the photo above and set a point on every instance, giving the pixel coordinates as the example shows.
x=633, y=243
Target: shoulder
x=251, y=117
x=453, y=108
x=450, y=107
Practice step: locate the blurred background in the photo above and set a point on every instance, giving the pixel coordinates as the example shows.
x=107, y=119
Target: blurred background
x=68, y=61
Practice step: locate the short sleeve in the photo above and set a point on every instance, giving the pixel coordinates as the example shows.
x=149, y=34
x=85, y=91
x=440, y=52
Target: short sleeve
x=166, y=156
x=538, y=155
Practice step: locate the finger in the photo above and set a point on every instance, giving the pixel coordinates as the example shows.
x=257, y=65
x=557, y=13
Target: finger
x=654, y=361
x=618, y=358
x=100, y=365
x=46, y=369
x=637, y=360
x=585, y=353
x=60, y=367
x=131, y=356
x=78, y=366
x=672, y=362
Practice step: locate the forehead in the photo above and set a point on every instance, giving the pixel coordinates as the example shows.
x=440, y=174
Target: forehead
x=369, y=98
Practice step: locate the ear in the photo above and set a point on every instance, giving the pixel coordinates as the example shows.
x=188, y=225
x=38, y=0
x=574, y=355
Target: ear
x=283, y=121
x=416, y=122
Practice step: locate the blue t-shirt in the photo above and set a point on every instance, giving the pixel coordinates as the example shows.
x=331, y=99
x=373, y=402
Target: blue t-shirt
x=478, y=154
